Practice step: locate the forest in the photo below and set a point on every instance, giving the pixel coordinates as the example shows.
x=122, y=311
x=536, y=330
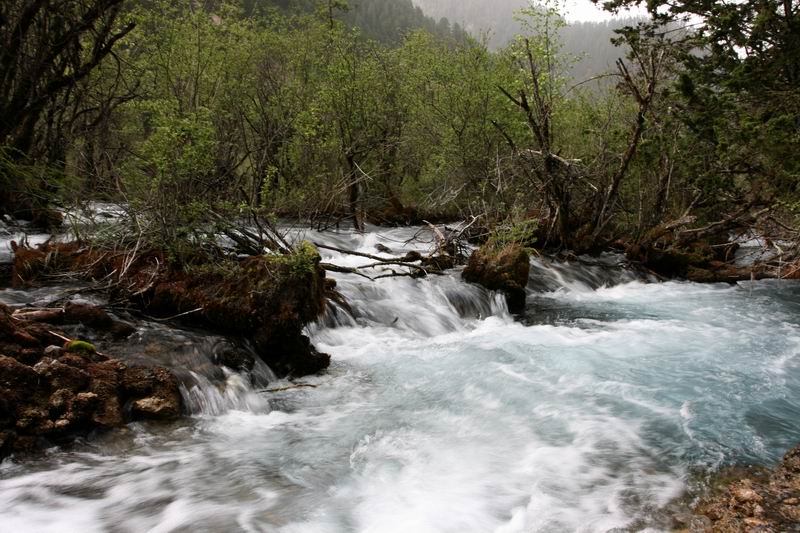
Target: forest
x=299, y=113
x=304, y=114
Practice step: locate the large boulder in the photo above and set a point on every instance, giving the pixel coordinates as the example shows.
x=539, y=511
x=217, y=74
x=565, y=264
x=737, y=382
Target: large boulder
x=504, y=269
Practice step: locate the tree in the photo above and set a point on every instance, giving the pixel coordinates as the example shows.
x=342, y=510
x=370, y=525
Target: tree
x=46, y=48
x=739, y=91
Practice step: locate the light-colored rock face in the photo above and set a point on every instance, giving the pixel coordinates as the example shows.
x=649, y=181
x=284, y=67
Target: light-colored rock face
x=155, y=407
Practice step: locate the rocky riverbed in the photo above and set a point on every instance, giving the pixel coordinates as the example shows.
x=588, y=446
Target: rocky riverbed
x=53, y=389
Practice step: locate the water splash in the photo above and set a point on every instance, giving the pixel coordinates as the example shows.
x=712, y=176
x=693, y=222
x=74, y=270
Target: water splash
x=442, y=413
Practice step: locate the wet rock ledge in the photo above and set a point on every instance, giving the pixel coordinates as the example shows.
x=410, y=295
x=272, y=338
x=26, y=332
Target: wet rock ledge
x=769, y=503
x=52, y=390
x=501, y=268
x=265, y=300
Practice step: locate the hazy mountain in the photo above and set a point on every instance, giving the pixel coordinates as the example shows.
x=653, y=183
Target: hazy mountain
x=494, y=19
x=386, y=21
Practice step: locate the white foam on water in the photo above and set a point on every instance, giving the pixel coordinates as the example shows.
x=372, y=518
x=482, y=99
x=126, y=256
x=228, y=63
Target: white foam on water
x=443, y=413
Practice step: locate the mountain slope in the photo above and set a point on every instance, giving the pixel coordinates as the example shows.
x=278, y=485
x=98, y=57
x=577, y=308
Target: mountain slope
x=590, y=42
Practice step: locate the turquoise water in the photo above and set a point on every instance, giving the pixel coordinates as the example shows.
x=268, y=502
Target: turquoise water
x=596, y=410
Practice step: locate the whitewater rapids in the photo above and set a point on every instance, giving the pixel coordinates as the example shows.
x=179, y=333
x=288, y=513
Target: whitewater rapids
x=602, y=408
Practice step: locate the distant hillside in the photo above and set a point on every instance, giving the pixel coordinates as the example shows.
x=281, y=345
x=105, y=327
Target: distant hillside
x=478, y=16
x=386, y=21
x=590, y=41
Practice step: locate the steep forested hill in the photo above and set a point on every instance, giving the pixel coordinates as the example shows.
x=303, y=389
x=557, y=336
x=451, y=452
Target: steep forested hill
x=589, y=41
x=386, y=21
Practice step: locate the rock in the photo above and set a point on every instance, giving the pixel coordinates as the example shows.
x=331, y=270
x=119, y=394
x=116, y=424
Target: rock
x=28, y=356
x=766, y=503
x=97, y=319
x=88, y=315
x=121, y=330
x=17, y=376
x=45, y=334
x=105, y=384
x=383, y=248
x=5, y=438
x=12, y=331
x=156, y=408
x=137, y=381
x=53, y=351
x=44, y=398
x=234, y=358
x=266, y=296
x=61, y=376
x=155, y=391
x=77, y=361
x=504, y=270
x=745, y=493
x=267, y=299
x=60, y=401
x=81, y=407
x=21, y=389
x=291, y=356
x=164, y=402
x=6, y=274
x=34, y=421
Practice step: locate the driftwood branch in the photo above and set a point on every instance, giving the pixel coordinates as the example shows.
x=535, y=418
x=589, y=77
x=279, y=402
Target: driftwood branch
x=740, y=218
x=290, y=387
x=353, y=252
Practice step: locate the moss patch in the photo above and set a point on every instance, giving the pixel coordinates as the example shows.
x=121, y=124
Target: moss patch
x=80, y=347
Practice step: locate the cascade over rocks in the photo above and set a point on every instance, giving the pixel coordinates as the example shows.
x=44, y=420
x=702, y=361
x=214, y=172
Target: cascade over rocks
x=505, y=269
x=52, y=395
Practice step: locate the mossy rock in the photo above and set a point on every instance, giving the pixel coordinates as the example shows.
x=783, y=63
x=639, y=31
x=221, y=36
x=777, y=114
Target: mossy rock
x=267, y=298
x=80, y=347
x=505, y=269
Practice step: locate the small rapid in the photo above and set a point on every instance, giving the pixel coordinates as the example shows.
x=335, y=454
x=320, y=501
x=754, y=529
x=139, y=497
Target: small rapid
x=604, y=406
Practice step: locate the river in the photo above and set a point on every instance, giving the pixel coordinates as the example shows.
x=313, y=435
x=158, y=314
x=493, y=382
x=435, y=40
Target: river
x=606, y=406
